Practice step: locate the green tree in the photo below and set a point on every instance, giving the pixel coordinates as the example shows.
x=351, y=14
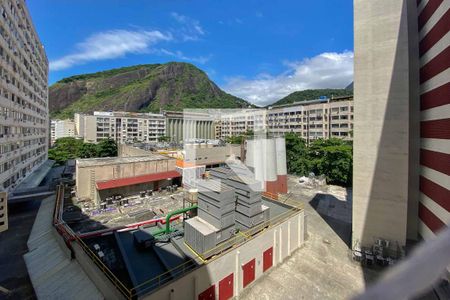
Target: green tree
x=65, y=149
x=235, y=139
x=88, y=150
x=164, y=138
x=334, y=159
x=297, y=155
x=107, y=148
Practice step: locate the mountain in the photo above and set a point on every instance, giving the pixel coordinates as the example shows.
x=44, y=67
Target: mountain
x=145, y=88
x=312, y=94
x=350, y=86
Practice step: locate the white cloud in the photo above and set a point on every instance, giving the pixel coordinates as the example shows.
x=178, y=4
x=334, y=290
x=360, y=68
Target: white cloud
x=326, y=70
x=179, y=55
x=110, y=44
x=190, y=29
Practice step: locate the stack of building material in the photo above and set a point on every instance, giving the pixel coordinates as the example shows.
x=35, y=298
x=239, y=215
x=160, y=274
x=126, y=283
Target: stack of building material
x=200, y=235
x=215, y=221
x=221, y=173
x=234, y=169
x=249, y=208
x=216, y=202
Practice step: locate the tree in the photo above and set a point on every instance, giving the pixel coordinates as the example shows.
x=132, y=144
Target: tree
x=64, y=149
x=332, y=157
x=297, y=155
x=107, y=148
x=237, y=139
x=164, y=138
x=87, y=150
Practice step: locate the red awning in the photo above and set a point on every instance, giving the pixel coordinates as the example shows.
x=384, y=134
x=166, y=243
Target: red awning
x=115, y=183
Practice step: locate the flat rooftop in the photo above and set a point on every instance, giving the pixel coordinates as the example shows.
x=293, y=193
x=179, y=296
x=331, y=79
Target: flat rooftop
x=162, y=259
x=104, y=161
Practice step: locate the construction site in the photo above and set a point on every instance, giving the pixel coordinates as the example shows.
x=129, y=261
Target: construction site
x=155, y=226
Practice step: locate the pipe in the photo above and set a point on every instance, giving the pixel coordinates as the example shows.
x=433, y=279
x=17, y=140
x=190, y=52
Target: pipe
x=126, y=227
x=169, y=215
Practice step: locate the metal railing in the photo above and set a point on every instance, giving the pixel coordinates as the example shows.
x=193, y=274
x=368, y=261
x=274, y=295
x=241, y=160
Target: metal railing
x=126, y=292
x=69, y=236
x=164, y=278
x=212, y=254
x=249, y=234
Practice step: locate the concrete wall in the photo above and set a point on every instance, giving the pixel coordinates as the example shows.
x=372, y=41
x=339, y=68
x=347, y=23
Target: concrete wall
x=179, y=129
x=88, y=175
x=211, y=156
x=102, y=283
x=381, y=167
x=285, y=238
x=90, y=135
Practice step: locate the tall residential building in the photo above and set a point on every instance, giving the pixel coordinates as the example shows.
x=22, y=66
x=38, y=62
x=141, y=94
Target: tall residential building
x=401, y=183
x=23, y=95
x=60, y=129
x=314, y=119
x=122, y=127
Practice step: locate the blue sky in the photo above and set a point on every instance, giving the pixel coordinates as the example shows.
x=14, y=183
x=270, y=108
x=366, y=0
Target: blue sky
x=258, y=50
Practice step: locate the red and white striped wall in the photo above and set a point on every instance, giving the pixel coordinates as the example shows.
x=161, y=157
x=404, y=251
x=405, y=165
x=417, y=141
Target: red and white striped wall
x=434, y=49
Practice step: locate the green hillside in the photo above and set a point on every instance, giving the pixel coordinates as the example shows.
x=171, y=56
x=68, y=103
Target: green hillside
x=146, y=88
x=312, y=94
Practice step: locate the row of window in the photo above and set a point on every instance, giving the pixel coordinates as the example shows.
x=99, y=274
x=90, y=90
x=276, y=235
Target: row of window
x=10, y=182
x=14, y=74
x=21, y=30
x=14, y=146
x=28, y=100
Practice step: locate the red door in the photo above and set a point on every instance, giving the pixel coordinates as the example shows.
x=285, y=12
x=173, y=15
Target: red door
x=226, y=287
x=267, y=259
x=208, y=294
x=249, y=272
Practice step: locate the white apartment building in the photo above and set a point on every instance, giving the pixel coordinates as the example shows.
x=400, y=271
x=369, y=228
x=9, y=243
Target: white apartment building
x=23, y=96
x=314, y=119
x=123, y=127
x=60, y=129
x=241, y=121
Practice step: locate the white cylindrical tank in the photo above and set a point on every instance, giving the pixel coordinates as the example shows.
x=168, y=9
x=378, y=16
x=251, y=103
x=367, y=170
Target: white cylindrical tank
x=249, y=158
x=270, y=160
x=281, y=155
x=258, y=160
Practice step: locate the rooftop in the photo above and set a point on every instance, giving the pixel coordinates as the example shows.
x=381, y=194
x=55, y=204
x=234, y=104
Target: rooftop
x=104, y=161
x=126, y=114
x=166, y=255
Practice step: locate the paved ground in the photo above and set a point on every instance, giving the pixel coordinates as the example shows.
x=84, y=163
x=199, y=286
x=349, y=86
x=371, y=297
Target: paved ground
x=322, y=269
x=14, y=280
x=13, y=245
